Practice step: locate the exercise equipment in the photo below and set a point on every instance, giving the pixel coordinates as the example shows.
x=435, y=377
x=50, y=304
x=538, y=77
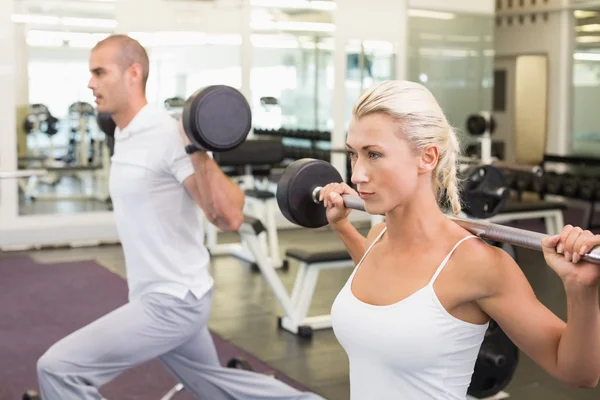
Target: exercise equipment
x=174, y=103
x=106, y=124
x=485, y=191
x=496, y=363
x=216, y=118
x=483, y=126
x=246, y=160
x=298, y=198
x=83, y=146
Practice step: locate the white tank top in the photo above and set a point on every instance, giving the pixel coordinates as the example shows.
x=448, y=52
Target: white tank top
x=410, y=350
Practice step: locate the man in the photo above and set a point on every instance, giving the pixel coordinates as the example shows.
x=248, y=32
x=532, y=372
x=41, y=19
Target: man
x=159, y=185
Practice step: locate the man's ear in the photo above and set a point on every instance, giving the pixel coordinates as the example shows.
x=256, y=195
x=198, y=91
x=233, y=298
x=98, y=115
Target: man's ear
x=136, y=72
x=429, y=159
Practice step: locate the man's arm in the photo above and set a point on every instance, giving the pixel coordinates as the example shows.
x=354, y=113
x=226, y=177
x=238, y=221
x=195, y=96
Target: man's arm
x=221, y=199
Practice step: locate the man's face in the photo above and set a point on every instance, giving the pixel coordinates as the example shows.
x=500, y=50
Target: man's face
x=108, y=81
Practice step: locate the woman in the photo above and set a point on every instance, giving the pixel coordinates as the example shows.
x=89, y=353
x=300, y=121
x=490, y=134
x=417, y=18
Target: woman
x=414, y=312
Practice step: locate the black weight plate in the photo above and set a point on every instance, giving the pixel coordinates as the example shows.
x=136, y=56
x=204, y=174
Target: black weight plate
x=27, y=125
x=106, y=124
x=483, y=176
x=484, y=191
x=217, y=118
x=496, y=364
x=476, y=125
x=51, y=126
x=82, y=108
x=295, y=189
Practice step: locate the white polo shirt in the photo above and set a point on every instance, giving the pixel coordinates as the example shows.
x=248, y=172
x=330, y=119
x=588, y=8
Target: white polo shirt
x=159, y=224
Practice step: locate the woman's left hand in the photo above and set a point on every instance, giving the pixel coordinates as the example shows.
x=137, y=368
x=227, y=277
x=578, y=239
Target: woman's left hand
x=563, y=254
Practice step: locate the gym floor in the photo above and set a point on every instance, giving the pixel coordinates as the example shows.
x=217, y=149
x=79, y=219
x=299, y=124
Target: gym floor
x=245, y=312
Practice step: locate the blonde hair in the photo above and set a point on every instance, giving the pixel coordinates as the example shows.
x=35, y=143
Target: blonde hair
x=424, y=124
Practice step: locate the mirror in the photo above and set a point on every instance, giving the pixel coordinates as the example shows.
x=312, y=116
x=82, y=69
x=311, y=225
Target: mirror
x=452, y=54
x=57, y=128
x=585, y=140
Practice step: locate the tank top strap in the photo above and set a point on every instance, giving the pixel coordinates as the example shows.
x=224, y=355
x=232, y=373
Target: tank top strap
x=371, y=246
x=445, y=261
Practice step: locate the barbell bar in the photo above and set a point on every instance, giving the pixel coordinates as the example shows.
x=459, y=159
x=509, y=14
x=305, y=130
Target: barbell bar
x=301, y=183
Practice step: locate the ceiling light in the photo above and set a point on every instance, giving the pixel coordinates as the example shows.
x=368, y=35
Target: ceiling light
x=584, y=14
x=588, y=39
x=588, y=28
x=295, y=4
x=34, y=19
x=587, y=56
x=293, y=26
x=431, y=14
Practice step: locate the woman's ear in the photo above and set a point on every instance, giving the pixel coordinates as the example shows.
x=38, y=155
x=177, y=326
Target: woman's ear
x=429, y=159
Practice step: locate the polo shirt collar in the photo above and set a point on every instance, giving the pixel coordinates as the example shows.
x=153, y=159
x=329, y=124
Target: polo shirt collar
x=141, y=122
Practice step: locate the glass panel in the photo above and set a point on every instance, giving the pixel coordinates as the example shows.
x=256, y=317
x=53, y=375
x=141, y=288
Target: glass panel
x=180, y=63
x=282, y=82
x=586, y=83
x=453, y=56
x=368, y=62
x=62, y=134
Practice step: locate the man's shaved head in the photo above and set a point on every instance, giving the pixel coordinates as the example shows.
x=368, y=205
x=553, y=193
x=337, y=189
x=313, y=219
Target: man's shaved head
x=130, y=52
x=119, y=66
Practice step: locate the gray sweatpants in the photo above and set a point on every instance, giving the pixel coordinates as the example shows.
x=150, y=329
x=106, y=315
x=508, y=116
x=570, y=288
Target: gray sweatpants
x=157, y=325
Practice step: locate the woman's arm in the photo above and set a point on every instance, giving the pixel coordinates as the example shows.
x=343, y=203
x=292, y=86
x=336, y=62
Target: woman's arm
x=568, y=351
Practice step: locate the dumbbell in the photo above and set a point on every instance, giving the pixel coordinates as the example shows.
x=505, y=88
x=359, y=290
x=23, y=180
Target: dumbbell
x=216, y=118
x=589, y=189
x=570, y=185
x=552, y=183
x=524, y=181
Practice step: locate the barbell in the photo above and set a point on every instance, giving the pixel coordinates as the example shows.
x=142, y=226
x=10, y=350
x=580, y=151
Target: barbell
x=300, y=185
x=217, y=118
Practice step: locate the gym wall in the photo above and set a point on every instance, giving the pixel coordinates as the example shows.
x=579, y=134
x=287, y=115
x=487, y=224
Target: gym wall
x=545, y=28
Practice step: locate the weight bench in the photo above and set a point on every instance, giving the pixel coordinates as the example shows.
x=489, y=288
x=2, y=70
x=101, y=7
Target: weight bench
x=256, y=158
x=550, y=211
x=311, y=264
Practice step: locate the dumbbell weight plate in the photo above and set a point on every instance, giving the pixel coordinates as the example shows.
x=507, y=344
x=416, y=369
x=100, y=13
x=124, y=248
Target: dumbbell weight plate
x=217, y=118
x=106, y=124
x=496, y=364
x=296, y=187
x=570, y=186
x=51, y=125
x=484, y=191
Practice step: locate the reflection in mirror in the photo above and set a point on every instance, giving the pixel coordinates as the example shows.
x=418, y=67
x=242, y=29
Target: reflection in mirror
x=367, y=62
x=59, y=123
x=292, y=90
x=292, y=75
x=585, y=140
x=59, y=129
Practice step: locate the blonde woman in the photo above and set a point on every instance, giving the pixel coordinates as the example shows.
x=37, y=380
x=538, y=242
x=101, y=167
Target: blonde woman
x=414, y=312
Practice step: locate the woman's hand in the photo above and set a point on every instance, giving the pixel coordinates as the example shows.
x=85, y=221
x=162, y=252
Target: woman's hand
x=563, y=254
x=331, y=196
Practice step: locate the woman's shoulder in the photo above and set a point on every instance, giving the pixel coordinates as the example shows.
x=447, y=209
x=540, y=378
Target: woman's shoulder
x=482, y=264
